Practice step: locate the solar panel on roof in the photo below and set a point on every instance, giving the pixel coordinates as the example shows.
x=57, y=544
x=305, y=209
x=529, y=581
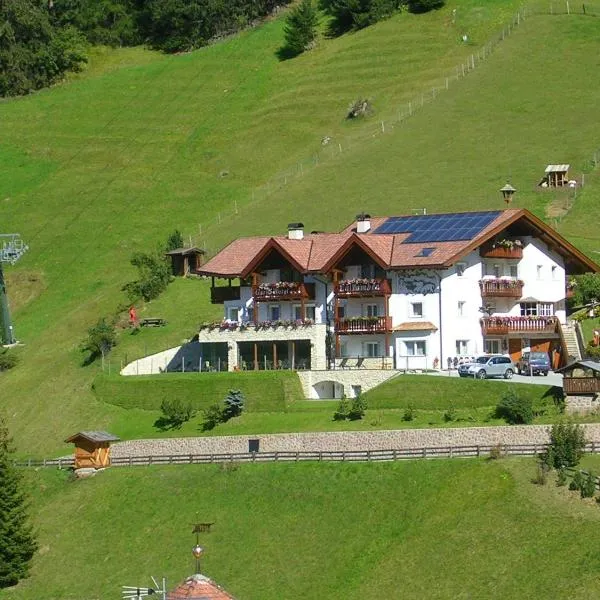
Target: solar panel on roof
x=439, y=228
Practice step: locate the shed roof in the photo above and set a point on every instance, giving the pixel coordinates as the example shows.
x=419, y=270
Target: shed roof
x=557, y=168
x=586, y=364
x=185, y=251
x=199, y=587
x=94, y=436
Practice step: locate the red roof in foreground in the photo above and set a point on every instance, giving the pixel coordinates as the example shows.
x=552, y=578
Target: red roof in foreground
x=199, y=587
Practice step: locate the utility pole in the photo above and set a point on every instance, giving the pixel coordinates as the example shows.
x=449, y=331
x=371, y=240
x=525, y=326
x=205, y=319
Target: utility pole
x=11, y=250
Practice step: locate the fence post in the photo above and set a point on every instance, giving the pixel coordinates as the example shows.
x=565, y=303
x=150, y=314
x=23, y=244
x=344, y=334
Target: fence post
x=395, y=454
x=424, y=452
x=450, y=453
x=478, y=451
x=60, y=464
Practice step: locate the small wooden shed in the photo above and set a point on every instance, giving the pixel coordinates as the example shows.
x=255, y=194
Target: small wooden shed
x=92, y=449
x=557, y=175
x=185, y=261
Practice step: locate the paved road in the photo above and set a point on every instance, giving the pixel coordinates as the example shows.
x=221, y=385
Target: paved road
x=551, y=379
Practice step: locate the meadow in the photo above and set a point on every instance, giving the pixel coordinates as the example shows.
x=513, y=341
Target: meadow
x=433, y=529
x=111, y=162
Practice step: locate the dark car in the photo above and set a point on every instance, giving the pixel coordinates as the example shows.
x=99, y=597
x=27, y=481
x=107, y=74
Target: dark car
x=534, y=363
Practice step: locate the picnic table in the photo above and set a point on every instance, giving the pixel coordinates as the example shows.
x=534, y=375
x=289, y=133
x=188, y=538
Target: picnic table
x=153, y=322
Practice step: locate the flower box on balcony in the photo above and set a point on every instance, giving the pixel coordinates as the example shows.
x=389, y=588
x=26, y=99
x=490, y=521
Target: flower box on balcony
x=358, y=325
x=504, y=248
x=284, y=291
x=505, y=325
x=501, y=288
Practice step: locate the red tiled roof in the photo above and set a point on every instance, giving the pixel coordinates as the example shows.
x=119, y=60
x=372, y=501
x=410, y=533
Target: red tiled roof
x=316, y=252
x=199, y=587
x=416, y=326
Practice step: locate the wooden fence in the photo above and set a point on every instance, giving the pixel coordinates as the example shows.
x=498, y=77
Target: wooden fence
x=328, y=455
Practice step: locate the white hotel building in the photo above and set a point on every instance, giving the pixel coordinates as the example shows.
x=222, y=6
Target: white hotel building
x=409, y=292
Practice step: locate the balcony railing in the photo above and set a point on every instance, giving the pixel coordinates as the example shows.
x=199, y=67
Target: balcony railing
x=515, y=252
x=506, y=325
x=581, y=385
x=218, y=295
x=361, y=288
x=283, y=291
x=363, y=325
x=501, y=288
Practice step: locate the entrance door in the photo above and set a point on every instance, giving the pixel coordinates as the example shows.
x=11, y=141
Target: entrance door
x=514, y=349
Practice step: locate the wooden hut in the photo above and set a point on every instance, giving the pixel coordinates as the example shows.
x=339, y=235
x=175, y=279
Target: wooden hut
x=581, y=385
x=186, y=261
x=92, y=449
x=557, y=175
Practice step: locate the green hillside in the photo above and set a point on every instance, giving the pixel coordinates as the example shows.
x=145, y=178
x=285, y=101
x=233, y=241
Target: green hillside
x=440, y=529
x=110, y=163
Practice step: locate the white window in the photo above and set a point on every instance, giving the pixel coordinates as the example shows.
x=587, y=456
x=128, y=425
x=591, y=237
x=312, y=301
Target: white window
x=309, y=312
x=497, y=272
x=460, y=307
x=371, y=310
x=233, y=313
x=545, y=309
x=416, y=309
x=539, y=271
x=514, y=271
x=460, y=268
x=344, y=349
x=462, y=347
x=492, y=346
x=415, y=348
x=554, y=272
x=529, y=309
x=274, y=312
x=372, y=349
x=250, y=313
x=537, y=309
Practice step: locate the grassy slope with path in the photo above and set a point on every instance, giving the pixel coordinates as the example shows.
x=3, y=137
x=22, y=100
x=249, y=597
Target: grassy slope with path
x=98, y=168
x=423, y=529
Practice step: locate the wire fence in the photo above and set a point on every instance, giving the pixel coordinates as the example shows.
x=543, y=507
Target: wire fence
x=472, y=451
x=332, y=149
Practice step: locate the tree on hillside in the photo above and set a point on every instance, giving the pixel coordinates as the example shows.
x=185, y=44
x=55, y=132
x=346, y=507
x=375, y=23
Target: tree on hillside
x=422, y=6
x=17, y=542
x=174, y=241
x=357, y=14
x=586, y=288
x=300, y=28
x=154, y=274
x=101, y=338
x=33, y=52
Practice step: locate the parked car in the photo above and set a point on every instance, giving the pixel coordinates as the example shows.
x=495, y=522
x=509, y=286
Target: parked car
x=488, y=365
x=534, y=363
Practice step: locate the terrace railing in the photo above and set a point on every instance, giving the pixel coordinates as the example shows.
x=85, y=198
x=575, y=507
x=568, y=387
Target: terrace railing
x=358, y=325
x=362, y=288
x=514, y=252
x=283, y=291
x=501, y=288
x=506, y=325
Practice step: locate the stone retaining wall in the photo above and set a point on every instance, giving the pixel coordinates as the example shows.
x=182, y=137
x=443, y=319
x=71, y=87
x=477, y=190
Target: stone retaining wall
x=348, y=381
x=347, y=440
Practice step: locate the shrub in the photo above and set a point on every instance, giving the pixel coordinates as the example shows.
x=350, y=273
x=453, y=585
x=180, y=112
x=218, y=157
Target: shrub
x=496, y=452
x=300, y=28
x=359, y=108
x=514, y=409
x=588, y=488
x=8, y=360
x=577, y=482
x=422, y=6
x=176, y=412
x=357, y=408
x=567, y=442
x=234, y=404
x=409, y=413
x=174, y=241
x=213, y=415
x=450, y=413
x=541, y=476
x=341, y=413
x=592, y=351
x=101, y=338
x=154, y=275
x=561, y=477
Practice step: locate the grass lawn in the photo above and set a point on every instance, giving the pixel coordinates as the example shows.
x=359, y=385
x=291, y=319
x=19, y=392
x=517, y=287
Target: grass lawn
x=421, y=529
x=111, y=162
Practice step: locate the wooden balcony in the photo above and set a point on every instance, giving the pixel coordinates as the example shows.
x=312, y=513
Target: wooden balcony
x=283, y=291
x=506, y=325
x=516, y=252
x=363, y=325
x=501, y=288
x=581, y=385
x=362, y=288
x=218, y=295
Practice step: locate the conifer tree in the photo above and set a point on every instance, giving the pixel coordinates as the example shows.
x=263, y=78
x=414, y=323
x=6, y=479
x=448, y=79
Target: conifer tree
x=17, y=542
x=301, y=28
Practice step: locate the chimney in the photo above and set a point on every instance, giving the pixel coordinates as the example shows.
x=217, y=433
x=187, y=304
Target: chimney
x=296, y=231
x=363, y=223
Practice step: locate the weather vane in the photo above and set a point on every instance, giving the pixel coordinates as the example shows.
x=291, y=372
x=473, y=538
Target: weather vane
x=198, y=550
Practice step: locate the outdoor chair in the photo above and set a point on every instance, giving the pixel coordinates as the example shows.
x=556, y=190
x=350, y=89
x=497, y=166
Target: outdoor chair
x=343, y=363
x=360, y=363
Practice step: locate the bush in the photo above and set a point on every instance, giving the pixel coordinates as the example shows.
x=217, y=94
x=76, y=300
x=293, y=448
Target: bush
x=496, y=452
x=409, y=413
x=541, y=476
x=342, y=410
x=176, y=412
x=588, y=488
x=567, y=443
x=450, y=413
x=577, y=482
x=234, y=404
x=561, y=477
x=101, y=338
x=8, y=360
x=154, y=275
x=358, y=408
x=423, y=6
x=174, y=241
x=213, y=415
x=300, y=28
x=514, y=409
x=357, y=14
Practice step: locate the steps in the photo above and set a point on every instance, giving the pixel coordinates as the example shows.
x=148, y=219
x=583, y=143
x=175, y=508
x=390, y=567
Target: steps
x=570, y=335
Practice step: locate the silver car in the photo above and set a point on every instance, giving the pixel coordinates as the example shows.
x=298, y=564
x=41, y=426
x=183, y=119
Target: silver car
x=488, y=365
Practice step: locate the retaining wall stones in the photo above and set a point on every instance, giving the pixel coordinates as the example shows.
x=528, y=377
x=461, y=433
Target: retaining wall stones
x=313, y=382
x=347, y=440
